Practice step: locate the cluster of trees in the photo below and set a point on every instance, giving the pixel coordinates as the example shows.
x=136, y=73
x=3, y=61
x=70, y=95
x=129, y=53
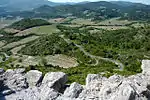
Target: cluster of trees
x=9, y=37
x=53, y=44
x=126, y=45
x=46, y=45
x=28, y=23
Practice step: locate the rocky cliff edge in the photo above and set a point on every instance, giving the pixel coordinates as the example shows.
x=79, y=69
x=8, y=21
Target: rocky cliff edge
x=33, y=85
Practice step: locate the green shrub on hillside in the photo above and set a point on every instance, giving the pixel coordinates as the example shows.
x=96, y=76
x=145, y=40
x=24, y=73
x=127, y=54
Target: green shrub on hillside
x=9, y=37
x=28, y=23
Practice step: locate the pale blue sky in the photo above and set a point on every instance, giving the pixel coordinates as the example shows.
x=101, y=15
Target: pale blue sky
x=139, y=1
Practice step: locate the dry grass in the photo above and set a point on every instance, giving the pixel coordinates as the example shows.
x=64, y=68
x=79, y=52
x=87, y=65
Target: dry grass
x=16, y=49
x=57, y=60
x=11, y=30
x=71, y=25
x=114, y=21
x=6, y=22
x=81, y=21
x=1, y=44
x=111, y=27
x=21, y=42
x=56, y=20
x=61, y=61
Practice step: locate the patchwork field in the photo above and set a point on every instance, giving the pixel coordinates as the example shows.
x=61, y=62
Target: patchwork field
x=110, y=24
x=21, y=42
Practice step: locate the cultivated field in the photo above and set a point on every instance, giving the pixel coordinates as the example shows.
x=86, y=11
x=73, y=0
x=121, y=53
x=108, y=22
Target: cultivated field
x=110, y=24
x=21, y=42
x=48, y=29
x=80, y=21
x=16, y=49
x=11, y=30
x=2, y=43
x=115, y=21
x=61, y=61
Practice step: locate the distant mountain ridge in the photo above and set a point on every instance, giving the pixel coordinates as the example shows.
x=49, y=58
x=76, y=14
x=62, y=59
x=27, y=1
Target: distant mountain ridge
x=95, y=10
x=19, y=5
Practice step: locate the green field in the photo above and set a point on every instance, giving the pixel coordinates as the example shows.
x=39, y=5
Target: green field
x=48, y=29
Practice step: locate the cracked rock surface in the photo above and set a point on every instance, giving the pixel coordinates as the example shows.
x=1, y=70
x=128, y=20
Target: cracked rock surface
x=20, y=85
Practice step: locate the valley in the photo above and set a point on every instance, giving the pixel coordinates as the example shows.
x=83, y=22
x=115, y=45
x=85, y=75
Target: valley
x=74, y=50
x=75, y=46
x=78, y=39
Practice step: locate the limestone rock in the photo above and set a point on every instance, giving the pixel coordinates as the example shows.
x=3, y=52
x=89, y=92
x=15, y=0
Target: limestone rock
x=14, y=86
x=73, y=91
x=146, y=66
x=48, y=93
x=34, y=77
x=52, y=83
x=15, y=80
x=1, y=71
x=125, y=92
x=55, y=80
x=94, y=81
x=27, y=94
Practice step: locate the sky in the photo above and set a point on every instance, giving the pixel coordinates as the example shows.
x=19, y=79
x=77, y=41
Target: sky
x=138, y=1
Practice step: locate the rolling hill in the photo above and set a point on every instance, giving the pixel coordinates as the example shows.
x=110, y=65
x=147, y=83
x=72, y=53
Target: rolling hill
x=19, y=5
x=95, y=10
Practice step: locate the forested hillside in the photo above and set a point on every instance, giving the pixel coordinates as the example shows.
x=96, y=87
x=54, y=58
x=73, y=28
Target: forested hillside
x=28, y=23
x=96, y=10
x=20, y=5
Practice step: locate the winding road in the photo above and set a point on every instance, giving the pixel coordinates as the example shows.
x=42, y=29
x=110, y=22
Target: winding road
x=97, y=58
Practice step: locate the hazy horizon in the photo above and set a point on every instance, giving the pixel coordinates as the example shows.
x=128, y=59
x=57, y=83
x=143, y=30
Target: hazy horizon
x=137, y=1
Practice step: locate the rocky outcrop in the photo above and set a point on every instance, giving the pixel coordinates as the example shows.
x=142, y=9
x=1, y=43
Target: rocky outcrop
x=146, y=66
x=19, y=85
x=33, y=77
x=52, y=84
x=71, y=92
